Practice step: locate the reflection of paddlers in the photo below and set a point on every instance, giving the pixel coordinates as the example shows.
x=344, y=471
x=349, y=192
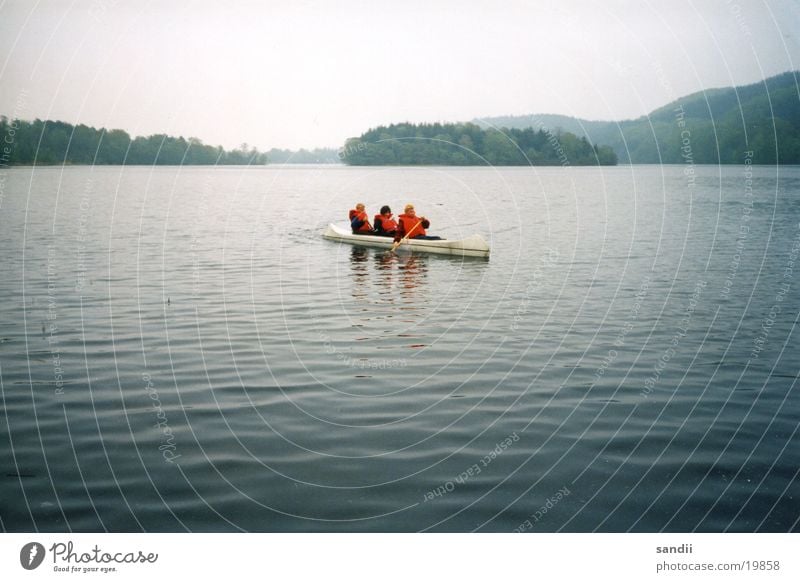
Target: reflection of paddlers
x=359, y=221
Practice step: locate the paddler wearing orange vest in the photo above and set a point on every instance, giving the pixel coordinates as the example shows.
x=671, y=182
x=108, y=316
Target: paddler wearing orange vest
x=385, y=224
x=359, y=221
x=413, y=226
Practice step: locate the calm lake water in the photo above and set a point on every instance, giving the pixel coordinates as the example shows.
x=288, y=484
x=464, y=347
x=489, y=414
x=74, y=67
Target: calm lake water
x=181, y=350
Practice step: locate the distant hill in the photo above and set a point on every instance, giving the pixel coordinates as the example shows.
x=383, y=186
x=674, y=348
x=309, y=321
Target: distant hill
x=715, y=126
x=303, y=156
x=550, y=122
x=467, y=144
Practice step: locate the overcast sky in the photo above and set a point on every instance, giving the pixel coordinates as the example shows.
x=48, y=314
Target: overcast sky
x=304, y=74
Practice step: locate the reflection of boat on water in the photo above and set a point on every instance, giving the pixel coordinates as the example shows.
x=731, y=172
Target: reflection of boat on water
x=473, y=246
x=389, y=295
x=413, y=271
x=389, y=273
x=359, y=271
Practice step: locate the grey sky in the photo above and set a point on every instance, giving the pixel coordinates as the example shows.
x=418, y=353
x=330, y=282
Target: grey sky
x=306, y=74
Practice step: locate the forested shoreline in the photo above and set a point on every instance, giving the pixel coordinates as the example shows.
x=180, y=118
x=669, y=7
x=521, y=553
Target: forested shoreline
x=467, y=144
x=57, y=142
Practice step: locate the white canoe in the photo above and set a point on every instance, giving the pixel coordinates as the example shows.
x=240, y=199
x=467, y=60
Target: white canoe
x=473, y=246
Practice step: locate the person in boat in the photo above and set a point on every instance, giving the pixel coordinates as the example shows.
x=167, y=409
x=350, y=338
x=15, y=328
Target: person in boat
x=413, y=226
x=359, y=221
x=384, y=223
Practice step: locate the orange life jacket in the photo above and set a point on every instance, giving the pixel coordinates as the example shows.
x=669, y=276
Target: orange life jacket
x=365, y=227
x=408, y=224
x=387, y=224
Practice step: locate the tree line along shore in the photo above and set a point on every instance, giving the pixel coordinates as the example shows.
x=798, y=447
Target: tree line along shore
x=467, y=144
x=58, y=142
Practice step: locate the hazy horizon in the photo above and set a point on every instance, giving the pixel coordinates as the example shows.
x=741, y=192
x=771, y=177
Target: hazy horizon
x=310, y=75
